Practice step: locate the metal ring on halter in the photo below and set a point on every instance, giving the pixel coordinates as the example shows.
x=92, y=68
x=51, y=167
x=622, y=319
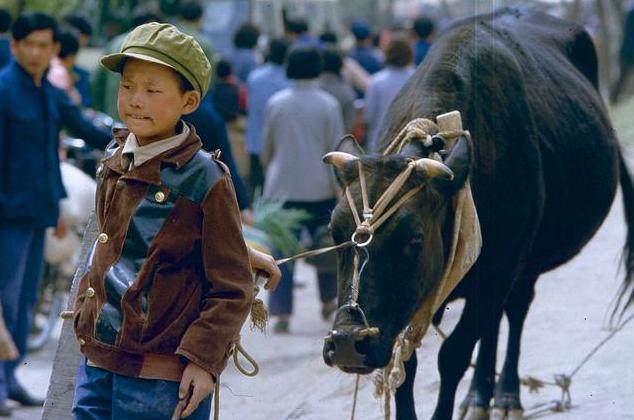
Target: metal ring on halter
x=364, y=243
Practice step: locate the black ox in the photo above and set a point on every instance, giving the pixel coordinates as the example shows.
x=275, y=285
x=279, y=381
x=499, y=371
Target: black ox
x=544, y=165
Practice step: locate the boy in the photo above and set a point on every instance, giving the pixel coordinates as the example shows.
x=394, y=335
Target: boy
x=169, y=282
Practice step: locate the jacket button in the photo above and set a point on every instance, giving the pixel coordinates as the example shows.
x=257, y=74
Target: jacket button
x=99, y=170
x=102, y=238
x=81, y=341
x=119, y=184
x=90, y=292
x=159, y=196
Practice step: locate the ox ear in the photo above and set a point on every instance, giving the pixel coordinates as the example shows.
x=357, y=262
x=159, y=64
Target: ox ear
x=459, y=161
x=350, y=146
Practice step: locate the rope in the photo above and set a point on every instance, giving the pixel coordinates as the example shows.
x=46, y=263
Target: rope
x=354, y=397
x=314, y=252
x=217, y=400
x=255, y=367
x=367, y=211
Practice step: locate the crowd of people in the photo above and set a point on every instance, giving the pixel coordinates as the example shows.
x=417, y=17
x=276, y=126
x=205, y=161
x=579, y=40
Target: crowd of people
x=274, y=108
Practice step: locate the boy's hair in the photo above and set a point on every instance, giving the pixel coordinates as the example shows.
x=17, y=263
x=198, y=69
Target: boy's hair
x=333, y=61
x=79, y=23
x=223, y=68
x=68, y=39
x=30, y=22
x=191, y=11
x=5, y=20
x=304, y=63
x=398, y=52
x=423, y=27
x=246, y=36
x=277, y=51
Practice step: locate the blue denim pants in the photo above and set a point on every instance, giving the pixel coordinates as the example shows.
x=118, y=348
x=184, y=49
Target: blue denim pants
x=21, y=261
x=103, y=395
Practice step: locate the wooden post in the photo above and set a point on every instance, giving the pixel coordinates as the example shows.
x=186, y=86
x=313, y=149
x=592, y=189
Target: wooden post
x=61, y=388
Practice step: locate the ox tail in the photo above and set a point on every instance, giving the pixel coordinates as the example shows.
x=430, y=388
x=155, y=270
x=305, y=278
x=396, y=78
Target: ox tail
x=625, y=297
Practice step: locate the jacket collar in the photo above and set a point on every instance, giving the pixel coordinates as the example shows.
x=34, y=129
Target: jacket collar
x=150, y=171
x=26, y=78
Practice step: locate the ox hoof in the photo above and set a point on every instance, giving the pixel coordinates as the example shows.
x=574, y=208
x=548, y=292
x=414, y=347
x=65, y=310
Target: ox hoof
x=507, y=406
x=473, y=413
x=504, y=414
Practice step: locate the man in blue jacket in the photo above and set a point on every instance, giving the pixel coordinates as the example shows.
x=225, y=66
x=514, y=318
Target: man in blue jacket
x=32, y=112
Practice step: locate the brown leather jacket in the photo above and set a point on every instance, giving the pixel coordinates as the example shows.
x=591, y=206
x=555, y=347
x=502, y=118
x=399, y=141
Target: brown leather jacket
x=169, y=279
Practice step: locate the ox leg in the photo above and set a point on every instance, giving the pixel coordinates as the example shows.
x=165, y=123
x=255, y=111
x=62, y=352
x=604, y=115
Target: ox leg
x=476, y=404
x=454, y=357
x=404, y=396
x=507, y=392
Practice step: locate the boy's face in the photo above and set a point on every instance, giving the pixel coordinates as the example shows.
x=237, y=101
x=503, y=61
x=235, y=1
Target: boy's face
x=151, y=101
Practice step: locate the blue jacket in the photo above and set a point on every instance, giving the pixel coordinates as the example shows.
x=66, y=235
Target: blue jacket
x=30, y=121
x=5, y=51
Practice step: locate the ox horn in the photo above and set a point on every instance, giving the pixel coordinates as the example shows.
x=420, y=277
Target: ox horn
x=339, y=159
x=434, y=169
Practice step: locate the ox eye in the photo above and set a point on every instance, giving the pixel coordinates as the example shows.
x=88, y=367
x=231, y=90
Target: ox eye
x=413, y=247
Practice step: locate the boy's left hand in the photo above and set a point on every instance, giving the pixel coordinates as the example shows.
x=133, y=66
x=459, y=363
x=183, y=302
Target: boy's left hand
x=202, y=383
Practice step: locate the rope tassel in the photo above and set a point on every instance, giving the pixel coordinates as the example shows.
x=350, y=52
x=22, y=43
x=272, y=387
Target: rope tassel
x=259, y=315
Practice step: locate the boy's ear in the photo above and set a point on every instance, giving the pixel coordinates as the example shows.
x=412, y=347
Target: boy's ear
x=191, y=101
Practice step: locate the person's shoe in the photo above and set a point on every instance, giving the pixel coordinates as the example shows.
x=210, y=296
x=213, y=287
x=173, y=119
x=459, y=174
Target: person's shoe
x=281, y=327
x=5, y=410
x=25, y=399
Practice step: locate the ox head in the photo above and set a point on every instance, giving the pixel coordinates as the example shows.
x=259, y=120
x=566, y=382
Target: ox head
x=405, y=259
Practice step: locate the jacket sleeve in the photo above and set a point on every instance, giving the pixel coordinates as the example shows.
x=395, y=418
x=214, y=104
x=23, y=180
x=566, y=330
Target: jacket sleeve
x=80, y=126
x=225, y=306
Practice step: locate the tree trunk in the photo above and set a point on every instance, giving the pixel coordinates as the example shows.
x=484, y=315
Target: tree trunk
x=61, y=388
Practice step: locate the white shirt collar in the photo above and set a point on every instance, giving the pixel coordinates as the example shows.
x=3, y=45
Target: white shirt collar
x=141, y=154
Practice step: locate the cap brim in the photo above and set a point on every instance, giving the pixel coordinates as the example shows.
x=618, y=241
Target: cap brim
x=113, y=61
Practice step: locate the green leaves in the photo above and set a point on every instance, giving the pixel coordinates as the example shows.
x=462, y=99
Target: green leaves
x=279, y=223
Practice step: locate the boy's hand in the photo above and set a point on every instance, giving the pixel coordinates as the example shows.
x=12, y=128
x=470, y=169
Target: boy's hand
x=202, y=383
x=265, y=262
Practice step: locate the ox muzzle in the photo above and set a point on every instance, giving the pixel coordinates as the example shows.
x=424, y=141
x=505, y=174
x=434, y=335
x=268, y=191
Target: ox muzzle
x=347, y=345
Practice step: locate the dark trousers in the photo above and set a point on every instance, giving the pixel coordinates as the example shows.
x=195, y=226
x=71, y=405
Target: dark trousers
x=256, y=175
x=103, y=395
x=21, y=261
x=281, y=300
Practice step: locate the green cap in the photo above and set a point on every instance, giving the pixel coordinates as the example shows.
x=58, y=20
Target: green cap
x=164, y=44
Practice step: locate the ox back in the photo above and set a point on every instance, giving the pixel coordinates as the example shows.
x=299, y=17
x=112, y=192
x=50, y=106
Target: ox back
x=546, y=157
